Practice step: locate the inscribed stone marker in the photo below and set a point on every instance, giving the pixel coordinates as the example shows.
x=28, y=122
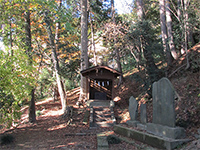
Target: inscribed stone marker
x=163, y=103
x=133, y=104
x=143, y=113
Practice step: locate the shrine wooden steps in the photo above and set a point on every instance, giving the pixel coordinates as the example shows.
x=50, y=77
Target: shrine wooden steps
x=101, y=113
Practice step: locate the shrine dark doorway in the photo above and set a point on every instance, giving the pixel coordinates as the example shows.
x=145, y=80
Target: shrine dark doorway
x=100, y=89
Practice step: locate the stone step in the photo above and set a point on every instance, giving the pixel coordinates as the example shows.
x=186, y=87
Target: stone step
x=101, y=117
x=102, y=142
x=100, y=103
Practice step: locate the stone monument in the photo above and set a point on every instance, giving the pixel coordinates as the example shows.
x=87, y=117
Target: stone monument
x=143, y=113
x=133, y=107
x=163, y=123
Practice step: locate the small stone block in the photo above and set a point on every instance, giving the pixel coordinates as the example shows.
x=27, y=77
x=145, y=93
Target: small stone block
x=132, y=123
x=102, y=142
x=141, y=126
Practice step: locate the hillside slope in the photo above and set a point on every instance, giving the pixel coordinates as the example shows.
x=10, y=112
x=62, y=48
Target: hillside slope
x=186, y=84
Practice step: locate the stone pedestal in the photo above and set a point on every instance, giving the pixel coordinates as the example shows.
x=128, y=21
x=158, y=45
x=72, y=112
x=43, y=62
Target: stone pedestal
x=166, y=131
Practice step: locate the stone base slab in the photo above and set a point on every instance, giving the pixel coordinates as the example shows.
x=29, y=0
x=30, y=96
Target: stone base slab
x=100, y=103
x=165, y=131
x=156, y=141
x=142, y=126
x=132, y=123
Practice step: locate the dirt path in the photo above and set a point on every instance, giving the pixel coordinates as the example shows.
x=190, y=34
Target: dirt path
x=50, y=130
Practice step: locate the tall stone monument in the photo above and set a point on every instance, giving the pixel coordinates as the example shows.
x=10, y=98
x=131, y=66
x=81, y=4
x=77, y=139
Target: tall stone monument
x=163, y=123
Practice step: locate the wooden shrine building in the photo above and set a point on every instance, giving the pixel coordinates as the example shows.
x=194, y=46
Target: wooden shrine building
x=100, y=82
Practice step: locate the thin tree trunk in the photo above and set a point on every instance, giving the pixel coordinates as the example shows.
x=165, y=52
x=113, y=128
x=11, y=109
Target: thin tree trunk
x=11, y=40
x=32, y=116
x=93, y=41
x=57, y=36
x=136, y=59
x=116, y=48
x=140, y=13
x=112, y=10
x=84, y=49
x=55, y=63
x=190, y=38
x=185, y=14
x=169, y=30
x=164, y=32
x=180, y=16
x=179, y=9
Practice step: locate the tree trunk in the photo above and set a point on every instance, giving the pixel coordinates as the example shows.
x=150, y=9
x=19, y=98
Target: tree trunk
x=164, y=32
x=112, y=10
x=93, y=41
x=115, y=47
x=185, y=14
x=152, y=69
x=169, y=31
x=140, y=13
x=32, y=116
x=11, y=40
x=55, y=62
x=84, y=49
x=180, y=16
x=57, y=36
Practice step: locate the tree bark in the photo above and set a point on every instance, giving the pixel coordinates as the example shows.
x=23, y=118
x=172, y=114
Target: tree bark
x=119, y=66
x=140, y=13
x=112, y=10
x=84, y=49
x=169, y=30
x=93, y=41
x=185, y=14
x=32, y=116
x=164, y=32
x=180, y=16
x=55, y=62
x=57, y=37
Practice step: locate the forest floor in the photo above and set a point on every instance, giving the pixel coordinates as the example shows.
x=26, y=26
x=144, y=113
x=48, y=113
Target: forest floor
x=52, y=131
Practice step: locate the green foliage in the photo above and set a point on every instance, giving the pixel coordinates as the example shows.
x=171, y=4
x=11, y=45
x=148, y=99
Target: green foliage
x=38, y=113
x=16, y=78
x=199, y=96
x=128, y=62
x=46, y=82
x=149, y=38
